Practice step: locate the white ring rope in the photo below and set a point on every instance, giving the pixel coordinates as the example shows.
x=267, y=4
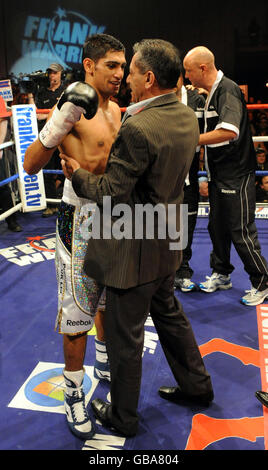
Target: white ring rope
x=18, y=206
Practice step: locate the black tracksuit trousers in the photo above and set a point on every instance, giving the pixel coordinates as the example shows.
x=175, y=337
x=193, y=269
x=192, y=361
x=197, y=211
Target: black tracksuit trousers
x=232, y=219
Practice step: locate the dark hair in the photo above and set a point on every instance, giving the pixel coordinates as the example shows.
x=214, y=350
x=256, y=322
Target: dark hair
x=162, y=58
x=97, y=46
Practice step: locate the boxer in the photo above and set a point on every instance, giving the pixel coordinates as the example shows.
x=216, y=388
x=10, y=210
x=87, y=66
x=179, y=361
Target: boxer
x=84, y=125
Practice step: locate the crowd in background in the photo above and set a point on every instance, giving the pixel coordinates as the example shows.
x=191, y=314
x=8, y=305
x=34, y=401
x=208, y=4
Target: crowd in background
x=259, y=127
x=258, y=122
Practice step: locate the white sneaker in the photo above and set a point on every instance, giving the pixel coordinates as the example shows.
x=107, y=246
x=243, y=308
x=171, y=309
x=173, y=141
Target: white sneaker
x=216, y=281
x=76, y=413
x=185, y=285
x=254, y=297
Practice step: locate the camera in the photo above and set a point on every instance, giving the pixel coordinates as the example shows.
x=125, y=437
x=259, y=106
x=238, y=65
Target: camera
x=30, y=83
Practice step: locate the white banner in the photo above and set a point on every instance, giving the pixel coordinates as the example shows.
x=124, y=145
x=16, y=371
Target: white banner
x=261, y=211
x=32, y=190
x=6, y=90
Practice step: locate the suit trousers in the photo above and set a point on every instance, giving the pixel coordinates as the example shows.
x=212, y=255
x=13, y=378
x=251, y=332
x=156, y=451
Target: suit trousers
x=232, y=220
x=125, y=316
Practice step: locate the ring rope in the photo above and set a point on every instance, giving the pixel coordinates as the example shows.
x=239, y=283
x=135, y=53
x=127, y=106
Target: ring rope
x=6, y=113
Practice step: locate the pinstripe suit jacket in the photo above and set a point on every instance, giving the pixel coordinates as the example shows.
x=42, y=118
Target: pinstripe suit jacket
x=148, y=163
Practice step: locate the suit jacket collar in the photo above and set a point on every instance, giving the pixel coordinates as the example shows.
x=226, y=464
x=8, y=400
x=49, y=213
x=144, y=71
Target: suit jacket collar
x=156, y=101
x=163, y=100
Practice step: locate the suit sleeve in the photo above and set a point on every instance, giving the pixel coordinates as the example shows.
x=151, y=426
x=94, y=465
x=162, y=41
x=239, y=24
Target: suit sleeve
x=127, y=162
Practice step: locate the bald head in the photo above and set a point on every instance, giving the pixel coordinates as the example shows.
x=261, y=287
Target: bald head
x=199, y=65
x=201, y=55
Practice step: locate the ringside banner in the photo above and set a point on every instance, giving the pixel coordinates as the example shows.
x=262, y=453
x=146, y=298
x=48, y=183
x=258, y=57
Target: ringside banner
x=6, y=90
x=31, y=187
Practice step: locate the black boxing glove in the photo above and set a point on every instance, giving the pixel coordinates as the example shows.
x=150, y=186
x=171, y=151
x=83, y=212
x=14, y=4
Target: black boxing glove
x=78, y=98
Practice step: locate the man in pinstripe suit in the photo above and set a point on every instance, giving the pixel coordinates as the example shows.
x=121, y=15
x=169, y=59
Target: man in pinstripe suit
x=148, y=163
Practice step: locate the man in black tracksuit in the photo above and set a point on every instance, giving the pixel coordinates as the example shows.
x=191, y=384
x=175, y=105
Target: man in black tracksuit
x=231, y=164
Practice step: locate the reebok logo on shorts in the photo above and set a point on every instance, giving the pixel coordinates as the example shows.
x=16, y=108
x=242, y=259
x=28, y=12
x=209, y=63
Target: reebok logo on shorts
x=78, y=322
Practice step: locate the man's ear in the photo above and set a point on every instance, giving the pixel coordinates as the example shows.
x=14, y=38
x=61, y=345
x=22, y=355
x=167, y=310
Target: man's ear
x=89, y=65
x=150, y=79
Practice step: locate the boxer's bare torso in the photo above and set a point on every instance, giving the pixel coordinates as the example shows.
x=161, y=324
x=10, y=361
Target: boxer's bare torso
x=90, y=142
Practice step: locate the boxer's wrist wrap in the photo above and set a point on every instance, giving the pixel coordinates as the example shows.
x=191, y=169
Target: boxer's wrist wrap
x=60, y=124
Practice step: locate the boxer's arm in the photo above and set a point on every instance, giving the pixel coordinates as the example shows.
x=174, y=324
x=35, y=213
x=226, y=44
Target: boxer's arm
x=36, y=157
x=78, y=98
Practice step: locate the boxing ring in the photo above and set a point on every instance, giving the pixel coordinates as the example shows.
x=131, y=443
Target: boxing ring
x=32, y=416
x=30, y=186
